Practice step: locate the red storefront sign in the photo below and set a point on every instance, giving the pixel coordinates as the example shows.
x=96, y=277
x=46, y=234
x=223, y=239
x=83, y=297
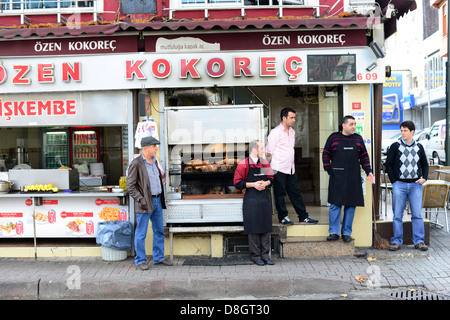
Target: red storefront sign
x=69, y=46
x=268, y=40
x=45, y=73
x=215, y=68
x=10, y=109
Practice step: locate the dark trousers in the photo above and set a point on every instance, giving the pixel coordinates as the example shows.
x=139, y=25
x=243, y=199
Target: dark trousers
x=259, y=246
x=288, y=184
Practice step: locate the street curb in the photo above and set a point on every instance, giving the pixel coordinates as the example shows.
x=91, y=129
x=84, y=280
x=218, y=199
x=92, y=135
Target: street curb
x=22, y=290
x=282, y=286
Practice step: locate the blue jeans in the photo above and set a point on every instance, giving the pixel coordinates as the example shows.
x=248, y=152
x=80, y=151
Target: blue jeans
x=156, y=217
x=335, y=219
x=412, y=191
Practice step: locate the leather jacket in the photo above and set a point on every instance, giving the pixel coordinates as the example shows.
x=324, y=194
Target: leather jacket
x=138, y=186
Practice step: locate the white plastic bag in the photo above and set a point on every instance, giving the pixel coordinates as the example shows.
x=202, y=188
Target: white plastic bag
x=146, y=128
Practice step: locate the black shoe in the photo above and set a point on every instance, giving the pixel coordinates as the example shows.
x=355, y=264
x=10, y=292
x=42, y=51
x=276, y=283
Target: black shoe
x=309, y=220
x=333, y=237
x=346, y=238
x=259, y=262
x=269, y=262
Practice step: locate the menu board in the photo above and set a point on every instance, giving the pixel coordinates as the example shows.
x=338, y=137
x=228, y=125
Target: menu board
x=16, y=218
x=325, y=68
x=76, y=217
x=58, y=217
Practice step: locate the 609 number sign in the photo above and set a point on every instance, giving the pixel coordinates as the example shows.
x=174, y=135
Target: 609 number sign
x=367, y=76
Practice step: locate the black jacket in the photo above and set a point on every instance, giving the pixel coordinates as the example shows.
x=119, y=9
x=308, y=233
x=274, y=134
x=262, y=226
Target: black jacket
x=393, y=163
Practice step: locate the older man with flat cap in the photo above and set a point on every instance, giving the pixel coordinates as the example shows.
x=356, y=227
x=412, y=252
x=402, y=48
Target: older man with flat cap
x=145, y=185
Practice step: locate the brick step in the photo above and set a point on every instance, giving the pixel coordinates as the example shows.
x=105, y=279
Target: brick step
x=315, y=246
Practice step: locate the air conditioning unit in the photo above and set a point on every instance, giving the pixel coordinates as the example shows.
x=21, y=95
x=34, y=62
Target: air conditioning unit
x=364, y=7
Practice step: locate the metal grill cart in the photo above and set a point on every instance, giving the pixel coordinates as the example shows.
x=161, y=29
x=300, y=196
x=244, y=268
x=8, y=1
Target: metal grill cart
x=204, y=146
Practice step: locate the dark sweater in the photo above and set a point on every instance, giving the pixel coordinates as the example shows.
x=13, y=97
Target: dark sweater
x=403, y=165
x=332, y=144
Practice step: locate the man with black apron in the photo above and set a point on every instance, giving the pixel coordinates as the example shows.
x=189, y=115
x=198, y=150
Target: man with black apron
x=343, y=155
x=255, y=174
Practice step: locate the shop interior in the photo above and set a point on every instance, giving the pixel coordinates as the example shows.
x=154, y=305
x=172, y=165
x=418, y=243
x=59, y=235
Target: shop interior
x=209, y=175
x=318, y=110
x=48, y=148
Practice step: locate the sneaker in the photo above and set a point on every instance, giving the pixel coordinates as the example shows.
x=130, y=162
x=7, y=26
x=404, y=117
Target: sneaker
x=268, y=261
x=421, y=246
x=286, y=221
x=394, y=247
x=333, y=237
x=309, y=220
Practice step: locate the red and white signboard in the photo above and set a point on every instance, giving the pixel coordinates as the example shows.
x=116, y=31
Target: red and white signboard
x=76, y=217
x=64, y=217
x=169, y=70
x=68, y=108
x=16, y=218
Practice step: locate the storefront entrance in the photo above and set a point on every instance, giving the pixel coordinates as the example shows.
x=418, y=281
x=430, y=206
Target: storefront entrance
x=319, y=109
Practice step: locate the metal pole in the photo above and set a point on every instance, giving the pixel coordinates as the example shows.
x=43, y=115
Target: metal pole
x=447, y=95
x=428, y=91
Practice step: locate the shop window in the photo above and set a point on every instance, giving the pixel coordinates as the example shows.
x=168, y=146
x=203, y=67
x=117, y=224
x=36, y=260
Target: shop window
x=434, y=73
x=34, y=5
x=186, y=3
x=191, y=2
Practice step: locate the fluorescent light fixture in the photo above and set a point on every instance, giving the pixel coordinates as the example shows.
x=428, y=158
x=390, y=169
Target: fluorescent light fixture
x=377, y=51
x=372, y=66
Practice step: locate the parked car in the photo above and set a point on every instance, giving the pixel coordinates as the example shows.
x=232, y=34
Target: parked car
x=386, y=143
x=421, y=136
x=435, y=148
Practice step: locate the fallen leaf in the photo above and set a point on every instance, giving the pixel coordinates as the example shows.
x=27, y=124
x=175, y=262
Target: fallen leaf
x=412, y=290
x=344, y=295
x=360, y=278
x=371, y=259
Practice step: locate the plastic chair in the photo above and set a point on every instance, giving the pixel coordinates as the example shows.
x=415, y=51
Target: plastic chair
x=435, y=197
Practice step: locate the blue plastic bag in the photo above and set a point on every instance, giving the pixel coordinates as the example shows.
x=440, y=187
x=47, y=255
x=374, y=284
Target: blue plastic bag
x=114, y=234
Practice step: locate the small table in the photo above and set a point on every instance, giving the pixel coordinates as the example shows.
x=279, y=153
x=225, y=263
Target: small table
x=441, y=172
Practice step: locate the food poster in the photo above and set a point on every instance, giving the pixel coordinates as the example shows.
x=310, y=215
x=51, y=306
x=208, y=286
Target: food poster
x=16, y=218
x=76, y=217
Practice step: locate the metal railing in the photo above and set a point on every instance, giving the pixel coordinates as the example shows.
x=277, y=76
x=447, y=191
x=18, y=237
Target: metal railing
x=243, y=5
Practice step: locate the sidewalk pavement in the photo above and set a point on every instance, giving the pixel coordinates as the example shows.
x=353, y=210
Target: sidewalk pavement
x=93, y=278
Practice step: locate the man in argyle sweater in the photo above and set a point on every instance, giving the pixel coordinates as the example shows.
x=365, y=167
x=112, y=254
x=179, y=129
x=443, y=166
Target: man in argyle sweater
x=407, y=167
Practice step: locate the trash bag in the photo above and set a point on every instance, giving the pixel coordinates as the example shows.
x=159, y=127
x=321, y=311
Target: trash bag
x=114, y=234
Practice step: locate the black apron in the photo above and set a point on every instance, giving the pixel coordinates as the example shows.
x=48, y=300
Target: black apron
x=257, y=206
x=345, y=188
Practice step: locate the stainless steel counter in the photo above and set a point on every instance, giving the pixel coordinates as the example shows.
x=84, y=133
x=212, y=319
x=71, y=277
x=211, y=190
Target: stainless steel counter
x=61, y=194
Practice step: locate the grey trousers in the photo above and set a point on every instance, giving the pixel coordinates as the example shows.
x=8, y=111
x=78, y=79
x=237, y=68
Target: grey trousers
x=259, y=246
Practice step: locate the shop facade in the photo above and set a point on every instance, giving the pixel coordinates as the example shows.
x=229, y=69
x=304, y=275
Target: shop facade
x=210, y=87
